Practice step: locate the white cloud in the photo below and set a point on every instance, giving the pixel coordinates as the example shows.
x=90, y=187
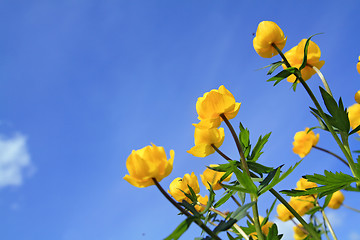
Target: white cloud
x=14, y=158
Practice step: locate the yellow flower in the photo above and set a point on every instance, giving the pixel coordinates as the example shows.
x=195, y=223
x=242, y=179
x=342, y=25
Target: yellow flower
x=147, y=163
x=204, y=138
x=300, y=204
x=358, y=65
x=180, y=185
x=265, y=228
x=304, y=141
x=268, y=33
x=354, y=116
x=216, y=102
x=299, y=232
x=283, y=213
x=203, y=201
x=357, y=96
x=295, y=57
x=304, y=184
x=336, y=200
x=212, y=177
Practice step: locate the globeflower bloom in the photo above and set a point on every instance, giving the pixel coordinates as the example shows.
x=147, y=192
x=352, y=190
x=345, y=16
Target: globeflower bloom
x=304, y=141
x=204, y=138
x=304, y=184
x=358, y=65
x=301, y=205
x=295, y=57
x=212, y=177
x=336, y=200
x=148, y=163
x=268, y=33
x=180, y=185
x=354, y=115
x=264, y=229
x=299, y=233
x=214, y=103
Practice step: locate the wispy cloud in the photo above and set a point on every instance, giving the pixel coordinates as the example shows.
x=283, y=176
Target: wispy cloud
x=14, y=159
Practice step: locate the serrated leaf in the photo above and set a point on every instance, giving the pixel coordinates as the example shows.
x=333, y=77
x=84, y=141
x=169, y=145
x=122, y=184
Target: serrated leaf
x=244, y=137
x=277, y=178
x=273, y=233
x=191, y=208
x=210, y=201
x=331, y=182
x=256, y=152
x=181, y=228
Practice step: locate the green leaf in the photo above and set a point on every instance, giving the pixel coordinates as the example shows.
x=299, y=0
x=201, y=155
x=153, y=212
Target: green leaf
x=339, y=116
x=223, y=199
x=303, y=64
x=183, y=226
x=224, y=225
x=283, y=74
x=245, y=181
x=273, y=233
x=229, y=236
x=244, y=137
x=210, y=201
x=355, y=130
x=255, y=154
x=258, y=168
x=331, y=182
x=313, y=210
x=274, y=66
x=191, y=208
x=277, y=178
x=241, y=211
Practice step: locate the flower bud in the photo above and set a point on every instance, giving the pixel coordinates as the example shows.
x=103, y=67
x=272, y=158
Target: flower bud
x=268, y=33
x=304, y=141
x=179, y=186
x=336, y=200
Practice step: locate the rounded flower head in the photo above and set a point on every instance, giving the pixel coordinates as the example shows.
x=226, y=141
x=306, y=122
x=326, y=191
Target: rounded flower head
x=265, y=228
x=295, y=57
x=204, y=138
x=300, y=204
x=357, y=96
x=213, y=177
x=304, y=184
x=304, y=141
x=216, y=102
x=268, y=33
x=354, y=116
x=283, y=213
x=180, y=185
x=336, y=200
x=358, y=65
x=147, y=163
x=299, y=232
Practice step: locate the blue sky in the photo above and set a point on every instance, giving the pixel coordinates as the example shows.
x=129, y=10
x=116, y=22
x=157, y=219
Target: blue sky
x=85, y=82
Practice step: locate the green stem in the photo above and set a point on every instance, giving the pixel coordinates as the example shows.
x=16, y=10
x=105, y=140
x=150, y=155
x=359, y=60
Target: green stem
x=310, y=230
x=186, y=213
x=281, y=199
x=329, y=225
x=246, y=169
x=321, y=113
x=331, y=153
x=351, y=208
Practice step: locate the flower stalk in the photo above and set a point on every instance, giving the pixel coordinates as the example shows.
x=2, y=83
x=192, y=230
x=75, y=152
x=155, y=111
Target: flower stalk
x=183, y=211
